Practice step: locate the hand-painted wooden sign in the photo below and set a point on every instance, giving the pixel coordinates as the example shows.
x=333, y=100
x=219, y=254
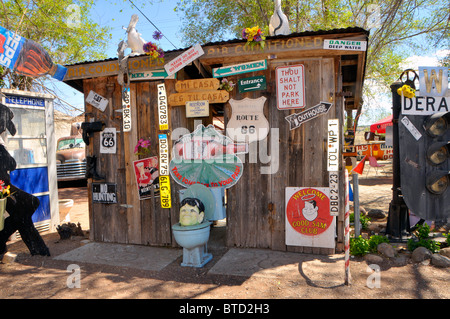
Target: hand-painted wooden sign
x=308, y=220
x=206, y=157
x=297, y=119
x=239, y=68
x=147, y=177
x=126, y=109
x=290, y=81
x=197, y=109
x=163, y=110
x=184, y=59
x=164, y=180
x=105, y=193
x=218, y=96
x=197, y=85
x=247, y=122
x=255, y=83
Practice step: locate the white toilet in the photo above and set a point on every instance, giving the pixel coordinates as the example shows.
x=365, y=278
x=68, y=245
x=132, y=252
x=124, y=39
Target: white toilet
x=194, y=238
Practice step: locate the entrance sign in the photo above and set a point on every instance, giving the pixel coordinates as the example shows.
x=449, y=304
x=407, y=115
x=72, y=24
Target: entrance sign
x=147, y=177
x=126, y=109
x=164, y=180
x=425, y=105
x=433, y=81
x=206, y=157
x=290, y=81
x=352, y=45
x=163, y=111
x=308, y=219
x=255, y=83
x=247, y=122
x=105, y=193
x=240, y=68
x=184, y=59
x=297, y=119
x=197, y=109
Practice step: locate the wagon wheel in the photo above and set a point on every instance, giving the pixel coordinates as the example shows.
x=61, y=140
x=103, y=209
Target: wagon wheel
x=408, y=80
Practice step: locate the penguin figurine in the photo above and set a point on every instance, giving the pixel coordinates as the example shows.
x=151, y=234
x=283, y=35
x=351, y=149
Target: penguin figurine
x=279, y=24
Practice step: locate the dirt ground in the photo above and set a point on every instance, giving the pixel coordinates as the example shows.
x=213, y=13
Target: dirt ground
x=36, y=277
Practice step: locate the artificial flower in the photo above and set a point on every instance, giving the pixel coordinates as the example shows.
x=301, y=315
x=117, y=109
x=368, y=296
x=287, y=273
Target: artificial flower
x=142, y=147
x=407, y=91
x=154, y=51
x=226, y=85
x=254, y=36
x=4, y=190
x=157, y=35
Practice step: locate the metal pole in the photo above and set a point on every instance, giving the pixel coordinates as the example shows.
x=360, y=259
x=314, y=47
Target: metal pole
x=356, y=204
x=397, y=227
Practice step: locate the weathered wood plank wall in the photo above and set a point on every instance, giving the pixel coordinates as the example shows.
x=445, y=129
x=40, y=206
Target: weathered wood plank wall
x=256, y=204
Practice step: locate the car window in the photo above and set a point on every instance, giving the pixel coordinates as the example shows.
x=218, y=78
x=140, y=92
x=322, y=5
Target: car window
x=65, y=144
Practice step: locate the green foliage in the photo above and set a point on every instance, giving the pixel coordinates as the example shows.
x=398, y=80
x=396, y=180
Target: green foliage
x=62, y=27
x=422, y=234
x=359, y=246
x=375, y=240
x=447, y=236
x=363, y=219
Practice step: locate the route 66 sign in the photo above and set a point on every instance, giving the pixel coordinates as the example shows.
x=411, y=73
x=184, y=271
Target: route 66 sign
x=247, y=122
x=108, y=140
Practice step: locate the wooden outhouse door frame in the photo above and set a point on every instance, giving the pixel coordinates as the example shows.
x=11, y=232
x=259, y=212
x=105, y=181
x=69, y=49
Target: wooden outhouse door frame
x=256, y=204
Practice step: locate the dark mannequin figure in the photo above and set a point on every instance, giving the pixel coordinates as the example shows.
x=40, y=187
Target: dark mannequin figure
x=20, y=205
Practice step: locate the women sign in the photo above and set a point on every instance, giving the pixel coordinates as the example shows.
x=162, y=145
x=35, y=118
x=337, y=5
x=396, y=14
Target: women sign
x=308, y=219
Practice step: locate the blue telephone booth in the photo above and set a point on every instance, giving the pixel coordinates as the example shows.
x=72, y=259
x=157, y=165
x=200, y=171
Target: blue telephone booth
x=34, y=149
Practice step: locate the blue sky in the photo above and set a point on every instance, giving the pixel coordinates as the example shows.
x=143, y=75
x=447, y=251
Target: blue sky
x=116, y=16
x=161, y=13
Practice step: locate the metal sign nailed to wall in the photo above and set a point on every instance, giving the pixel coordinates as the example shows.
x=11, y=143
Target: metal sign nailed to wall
x=126, y=109
x=163, y=112
x=164, y=180
x=105, y=193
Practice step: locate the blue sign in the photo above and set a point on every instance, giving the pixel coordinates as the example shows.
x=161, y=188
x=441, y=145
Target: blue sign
x=24, y=100
x=10, y=47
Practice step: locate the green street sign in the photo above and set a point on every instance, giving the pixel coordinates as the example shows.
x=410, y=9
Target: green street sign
x=254, y=83
x=150, y=75
x=239, y=68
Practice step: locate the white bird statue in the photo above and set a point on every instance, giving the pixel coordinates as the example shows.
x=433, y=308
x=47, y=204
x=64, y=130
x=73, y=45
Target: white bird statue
x=279, y=23
x=134, y=39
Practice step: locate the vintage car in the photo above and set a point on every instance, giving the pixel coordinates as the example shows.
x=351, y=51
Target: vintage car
x=71, y=158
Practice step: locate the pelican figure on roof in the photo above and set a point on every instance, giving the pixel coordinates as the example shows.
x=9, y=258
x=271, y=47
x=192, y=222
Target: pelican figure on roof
x=279, y=23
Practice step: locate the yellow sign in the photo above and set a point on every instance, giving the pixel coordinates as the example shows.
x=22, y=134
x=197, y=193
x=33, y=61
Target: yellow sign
x=164, y=191
x=197, y=85
x=218, y=96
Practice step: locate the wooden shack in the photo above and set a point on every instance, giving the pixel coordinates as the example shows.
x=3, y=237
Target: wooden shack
x=333, y=66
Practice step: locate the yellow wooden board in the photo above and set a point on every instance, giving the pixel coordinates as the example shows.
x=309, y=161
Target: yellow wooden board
x=217, y=96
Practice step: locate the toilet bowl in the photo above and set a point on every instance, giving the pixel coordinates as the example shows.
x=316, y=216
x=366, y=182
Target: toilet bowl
x=194, y=241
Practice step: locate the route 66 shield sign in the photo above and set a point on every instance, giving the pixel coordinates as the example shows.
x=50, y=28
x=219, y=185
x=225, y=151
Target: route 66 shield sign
x=108, y=140
x=247, y=122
